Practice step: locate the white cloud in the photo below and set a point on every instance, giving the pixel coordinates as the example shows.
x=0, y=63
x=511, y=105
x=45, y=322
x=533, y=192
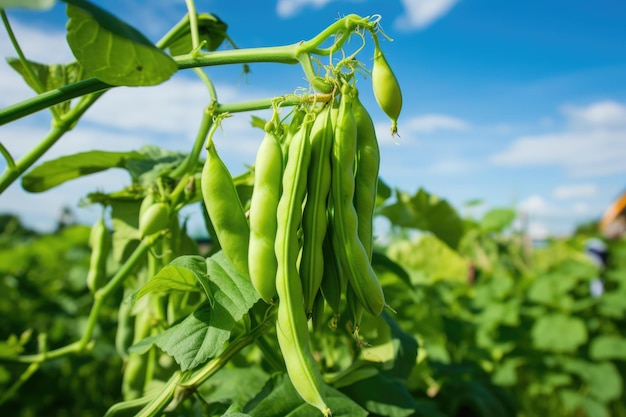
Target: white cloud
x=419, y=14
x=585, y=190
x=430, y=123
x=453, y=166
x=603, y=114
x=537, y=205
x=290, y=8
x=592, y=145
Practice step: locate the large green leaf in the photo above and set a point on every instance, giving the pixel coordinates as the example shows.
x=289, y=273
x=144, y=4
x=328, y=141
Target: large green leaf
x=113, y=51
x=559, y=333
x=426, y=212
x=383, y=395
x=49, y=77
x=233, y=385
x=280, y=399
x=202, y=334
x=52, y=173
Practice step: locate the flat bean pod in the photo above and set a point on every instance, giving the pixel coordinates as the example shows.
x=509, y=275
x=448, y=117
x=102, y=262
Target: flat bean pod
x=314, y=221
x=291, y=322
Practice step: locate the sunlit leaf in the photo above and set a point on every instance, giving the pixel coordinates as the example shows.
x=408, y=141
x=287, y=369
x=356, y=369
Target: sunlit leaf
x=426, y=212
x=558, y=333
x=603, y=379
x=497, y=220
x=182, y=274
x=52, y=173
x=49, y=77
x=113, y=51
x=608, y=347
x=202, y=334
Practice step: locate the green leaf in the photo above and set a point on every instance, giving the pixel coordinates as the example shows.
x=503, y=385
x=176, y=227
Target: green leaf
x=235, y=386
x=154, y=163
x=280, y=399
x=113, y=51
x=474, y=398
x=426, y=212
x=497, y=220
x=574, y=401
x=49, y=77
x=182, y=274
x=382, y=395
x=558, y=333
x=202, y=334
x=56, y=172
x=603, y=379
x=28, y=4
x=380, y=261
x=608, y=347
x=211, y=30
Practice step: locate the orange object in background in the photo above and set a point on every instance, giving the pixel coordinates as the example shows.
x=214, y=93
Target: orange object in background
x=613, y=222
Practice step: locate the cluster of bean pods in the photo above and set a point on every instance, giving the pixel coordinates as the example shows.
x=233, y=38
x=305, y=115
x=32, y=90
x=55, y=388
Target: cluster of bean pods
x=306, y=240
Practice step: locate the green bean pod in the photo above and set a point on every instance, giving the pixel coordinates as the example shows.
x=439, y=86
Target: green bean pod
x=334, y=281
x=291, y=323
x=314, y=220
x=353, y=256
x=225, y=210
x=262, y=261
x=366, y=177
x=100, y=243
x=386, y=88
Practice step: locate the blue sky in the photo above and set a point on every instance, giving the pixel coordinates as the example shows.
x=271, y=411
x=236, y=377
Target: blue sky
x=519, y=103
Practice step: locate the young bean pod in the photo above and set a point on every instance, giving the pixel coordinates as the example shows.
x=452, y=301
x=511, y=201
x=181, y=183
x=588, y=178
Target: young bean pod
x=225, y=210
x=353, y=256
x=366, y=177
x=291, y=323
x=262, y=261
x=314, y=221
x=100, y=243
x=386, y=88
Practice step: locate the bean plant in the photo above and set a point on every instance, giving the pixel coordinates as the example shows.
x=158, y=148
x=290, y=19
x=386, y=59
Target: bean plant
x=291, y=273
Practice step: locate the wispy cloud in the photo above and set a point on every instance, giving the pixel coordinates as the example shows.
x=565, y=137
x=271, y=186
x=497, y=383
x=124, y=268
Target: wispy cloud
x=430, y=123
x=592, y=144
x=566, y=192
x=290, y=8
x=419, y=14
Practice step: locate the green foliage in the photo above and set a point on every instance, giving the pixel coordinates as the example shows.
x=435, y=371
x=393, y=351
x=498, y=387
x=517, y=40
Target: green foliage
x=479, y=323
x=113, y=51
